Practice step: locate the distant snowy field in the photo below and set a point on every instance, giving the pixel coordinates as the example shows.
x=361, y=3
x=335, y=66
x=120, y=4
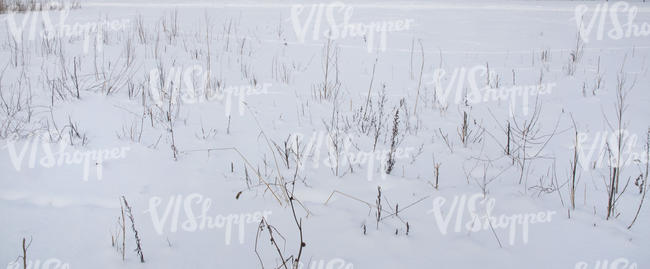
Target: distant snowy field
x=420, y=134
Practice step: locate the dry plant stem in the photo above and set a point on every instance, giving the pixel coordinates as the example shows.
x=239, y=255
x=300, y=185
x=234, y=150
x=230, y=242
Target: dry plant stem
x=135, y=231
x=411, y=63
x=24, y=256
x=508, y=132
x=370, y=206
x=645, y=179
x=370, y=89
x=299, y=225
x=527, y=135
x=463, y=130
x=390, y=163
x=574, y=166
x=436, y=167
x=260, y=226
x=495, y=234
x=327, y=64
x=346, y=195
x=378, y=205
x=259, y=176
x=557, y=186
x=277, y=167
x=417, y=96
x=406, y=207
x=123, y=231
x=445, y=138
x=265, y=225
x=270, y=229
x=620, y=106
x=611, y=188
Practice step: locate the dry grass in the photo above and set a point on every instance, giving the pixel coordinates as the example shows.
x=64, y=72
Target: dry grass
x=21, y=6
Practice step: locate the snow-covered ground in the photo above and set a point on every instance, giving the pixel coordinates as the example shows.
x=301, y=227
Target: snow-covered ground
x=223, y=124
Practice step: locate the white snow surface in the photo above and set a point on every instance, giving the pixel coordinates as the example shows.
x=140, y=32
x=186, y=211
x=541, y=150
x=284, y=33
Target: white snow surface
x=71, y=218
